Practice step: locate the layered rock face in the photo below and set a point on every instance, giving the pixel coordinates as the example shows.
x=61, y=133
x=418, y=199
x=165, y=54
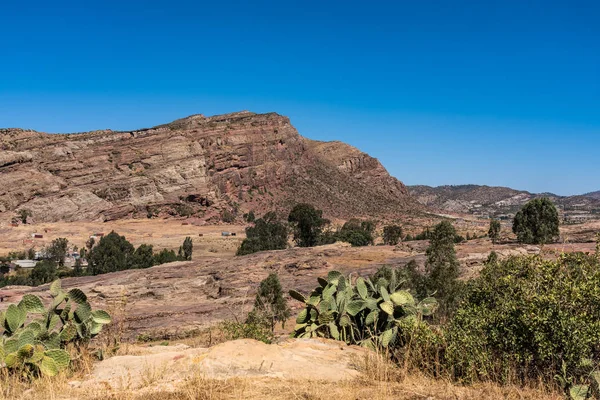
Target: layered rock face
x=194, y=166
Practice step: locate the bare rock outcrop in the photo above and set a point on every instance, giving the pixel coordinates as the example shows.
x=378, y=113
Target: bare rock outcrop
x=201, y=293
x=314, y=359
x=196, y=165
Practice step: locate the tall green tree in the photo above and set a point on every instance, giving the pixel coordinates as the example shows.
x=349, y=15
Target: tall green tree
x=307, y=224
x=57, y=251
x=392, y=234
x=537, y=222
x=185, y=251
x=43, y=272
x=268, y=233
x=269, y=302
x=442, y=267
x=494, y=231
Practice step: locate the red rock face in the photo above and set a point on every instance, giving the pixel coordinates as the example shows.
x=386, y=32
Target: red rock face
x=194, y=166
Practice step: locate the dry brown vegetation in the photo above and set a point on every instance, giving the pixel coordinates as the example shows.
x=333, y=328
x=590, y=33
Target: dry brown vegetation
x=378, y=379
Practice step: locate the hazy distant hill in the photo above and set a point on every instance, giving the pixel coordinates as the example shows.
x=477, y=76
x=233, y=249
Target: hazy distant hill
x=488, y=201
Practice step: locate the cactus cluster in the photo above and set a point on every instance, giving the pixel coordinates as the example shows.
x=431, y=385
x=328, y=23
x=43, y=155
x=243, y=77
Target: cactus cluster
x=34, y=338
x=371, y=313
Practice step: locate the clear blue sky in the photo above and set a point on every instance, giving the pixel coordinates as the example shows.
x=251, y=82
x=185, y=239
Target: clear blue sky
x=442, y=92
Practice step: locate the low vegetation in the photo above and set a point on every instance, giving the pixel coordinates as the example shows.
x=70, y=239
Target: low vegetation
x=524, y=320
x=373, y=313
x=270, y=307
x=35, y=338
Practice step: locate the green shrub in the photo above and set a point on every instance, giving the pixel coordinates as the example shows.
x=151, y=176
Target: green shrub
x=24, y=214
x=34, y=338
x=183, y=210
x=227, y=216
x=165, y=256
x=392, y=234
x=44, y=272
x=524, y=317
x=257, y=327
x=424, y=235
x=249, y=217
x=327, y=237
x=357, y=233
x=367, y=312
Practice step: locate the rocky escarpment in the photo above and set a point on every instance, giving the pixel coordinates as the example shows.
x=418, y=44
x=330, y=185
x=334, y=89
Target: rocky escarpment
x=201, y=166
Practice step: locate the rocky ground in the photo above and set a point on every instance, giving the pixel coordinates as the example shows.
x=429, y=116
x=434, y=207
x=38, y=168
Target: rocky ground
x=180, y=298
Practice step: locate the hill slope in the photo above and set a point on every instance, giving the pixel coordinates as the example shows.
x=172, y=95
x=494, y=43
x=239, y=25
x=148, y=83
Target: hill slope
x=487, y=201
x=595, y=195
x=197, y=165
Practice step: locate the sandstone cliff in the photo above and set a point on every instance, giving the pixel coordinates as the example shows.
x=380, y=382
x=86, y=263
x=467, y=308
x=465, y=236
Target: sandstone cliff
x=198, y=165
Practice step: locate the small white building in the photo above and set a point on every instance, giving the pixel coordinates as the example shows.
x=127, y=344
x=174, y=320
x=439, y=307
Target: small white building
x=25, y=263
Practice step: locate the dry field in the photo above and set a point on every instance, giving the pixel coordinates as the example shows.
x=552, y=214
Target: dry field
x=161, y=233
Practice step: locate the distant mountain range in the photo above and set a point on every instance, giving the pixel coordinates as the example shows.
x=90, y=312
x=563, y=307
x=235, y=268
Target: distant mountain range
x=502, y=202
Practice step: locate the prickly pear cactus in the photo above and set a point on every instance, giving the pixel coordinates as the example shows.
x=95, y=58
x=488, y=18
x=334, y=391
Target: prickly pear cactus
x=33, y=337
x=363, y=312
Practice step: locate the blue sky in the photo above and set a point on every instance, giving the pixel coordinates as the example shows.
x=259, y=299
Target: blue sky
x=442, y=92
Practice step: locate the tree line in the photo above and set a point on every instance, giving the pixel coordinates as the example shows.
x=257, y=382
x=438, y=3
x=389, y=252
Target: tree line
x=111, y=253
x=536, y=223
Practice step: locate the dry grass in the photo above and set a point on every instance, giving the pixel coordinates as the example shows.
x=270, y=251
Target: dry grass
x=379, y=379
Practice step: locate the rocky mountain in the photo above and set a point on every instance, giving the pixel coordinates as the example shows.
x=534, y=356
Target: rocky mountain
x=501, y=202
x=196, y=166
